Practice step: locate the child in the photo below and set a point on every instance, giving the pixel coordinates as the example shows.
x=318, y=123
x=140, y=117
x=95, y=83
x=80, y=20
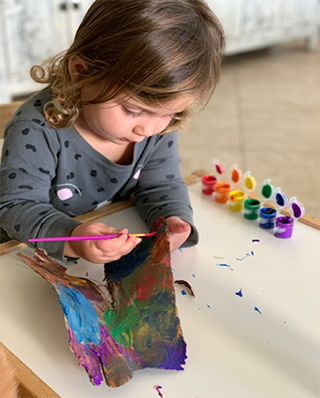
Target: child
x=104, y=127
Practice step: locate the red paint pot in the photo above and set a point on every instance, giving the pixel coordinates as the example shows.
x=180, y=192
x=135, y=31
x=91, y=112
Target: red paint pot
x=208, y=184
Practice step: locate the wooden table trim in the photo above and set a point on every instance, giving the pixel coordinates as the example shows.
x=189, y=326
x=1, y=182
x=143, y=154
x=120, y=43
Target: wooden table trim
x=29, y=384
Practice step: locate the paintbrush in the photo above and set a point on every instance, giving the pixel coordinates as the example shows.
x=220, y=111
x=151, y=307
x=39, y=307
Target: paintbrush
x=93, y=237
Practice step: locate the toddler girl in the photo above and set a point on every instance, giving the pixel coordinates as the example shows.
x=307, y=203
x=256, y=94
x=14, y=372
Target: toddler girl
x=104, y=128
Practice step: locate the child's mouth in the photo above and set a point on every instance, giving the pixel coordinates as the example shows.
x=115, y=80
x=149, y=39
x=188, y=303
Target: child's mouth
x=129, y=141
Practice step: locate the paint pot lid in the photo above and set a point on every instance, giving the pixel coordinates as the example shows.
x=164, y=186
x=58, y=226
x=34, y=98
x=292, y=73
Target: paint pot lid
x=267, y=190
x=249, y=181
x=279, y=198
x=219, y=168
x=296, y=208
x=236, y=174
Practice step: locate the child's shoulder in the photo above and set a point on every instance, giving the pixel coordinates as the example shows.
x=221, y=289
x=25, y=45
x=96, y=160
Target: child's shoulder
x=29, y=123
x=32, y=109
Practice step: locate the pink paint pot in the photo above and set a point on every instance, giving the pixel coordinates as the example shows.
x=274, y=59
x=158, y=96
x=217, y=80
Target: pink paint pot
x=208, y=184
x=222, y=191
x=284, y=227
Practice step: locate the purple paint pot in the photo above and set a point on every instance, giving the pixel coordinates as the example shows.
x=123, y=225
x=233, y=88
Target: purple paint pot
x=284, y=227
x=267, y=217
x=208, y=184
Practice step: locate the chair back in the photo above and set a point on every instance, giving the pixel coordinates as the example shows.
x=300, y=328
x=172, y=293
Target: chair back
x=6, y=113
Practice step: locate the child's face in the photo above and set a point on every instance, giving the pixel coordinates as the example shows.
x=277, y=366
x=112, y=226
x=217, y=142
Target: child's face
x=130, y=121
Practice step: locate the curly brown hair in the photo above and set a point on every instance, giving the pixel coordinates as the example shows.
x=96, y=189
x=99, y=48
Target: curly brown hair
x=152, y=50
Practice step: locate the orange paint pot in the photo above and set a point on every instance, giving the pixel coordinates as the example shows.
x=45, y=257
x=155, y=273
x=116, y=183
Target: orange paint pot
x=222, y=190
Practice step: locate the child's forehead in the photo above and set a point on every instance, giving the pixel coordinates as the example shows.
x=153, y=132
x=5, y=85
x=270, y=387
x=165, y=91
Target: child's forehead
x=175, y=105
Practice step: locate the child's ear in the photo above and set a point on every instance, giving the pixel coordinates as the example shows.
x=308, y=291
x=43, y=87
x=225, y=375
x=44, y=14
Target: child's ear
x=76, y=66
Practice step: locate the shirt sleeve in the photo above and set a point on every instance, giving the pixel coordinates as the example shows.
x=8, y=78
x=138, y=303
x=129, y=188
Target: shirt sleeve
x=29, y=159
x=161, y=190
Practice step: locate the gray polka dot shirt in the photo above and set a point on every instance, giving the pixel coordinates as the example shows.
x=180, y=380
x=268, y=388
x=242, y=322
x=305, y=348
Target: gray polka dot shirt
x=49, y=176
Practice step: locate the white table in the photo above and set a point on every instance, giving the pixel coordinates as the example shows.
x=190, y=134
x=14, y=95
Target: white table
x=233, y=350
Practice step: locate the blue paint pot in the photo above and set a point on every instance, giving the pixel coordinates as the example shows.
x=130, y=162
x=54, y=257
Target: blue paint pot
x=267, y=217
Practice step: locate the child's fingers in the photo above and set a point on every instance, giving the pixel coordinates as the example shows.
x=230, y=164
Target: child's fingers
x=113, y=244
x=178, y=232
x=121, y=247
x=177, y=226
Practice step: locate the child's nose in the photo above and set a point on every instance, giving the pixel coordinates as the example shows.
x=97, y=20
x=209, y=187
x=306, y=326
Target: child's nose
x=145, y=130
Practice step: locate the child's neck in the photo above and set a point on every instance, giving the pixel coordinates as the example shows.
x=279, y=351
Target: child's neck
x=120, y=154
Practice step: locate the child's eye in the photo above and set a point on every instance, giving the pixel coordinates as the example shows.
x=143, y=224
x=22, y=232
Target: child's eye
x=131, y=113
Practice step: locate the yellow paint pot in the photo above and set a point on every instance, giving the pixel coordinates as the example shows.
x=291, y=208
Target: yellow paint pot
x=237, y=199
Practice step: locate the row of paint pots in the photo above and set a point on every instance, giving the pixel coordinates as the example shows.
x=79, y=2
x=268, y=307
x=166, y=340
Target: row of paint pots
x=251, y=208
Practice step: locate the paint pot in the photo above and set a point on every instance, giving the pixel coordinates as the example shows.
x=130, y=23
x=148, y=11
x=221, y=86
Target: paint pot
x=267, y=190
x=284, y=227
x=267, y=217
x=236, y=202
x=249, y=181
x=280, y=199
x=222, y=190
x=296, y=208
x=219, y=168
x=208, y=184
x=236, y=175
x=285, y=224
x=251, y=209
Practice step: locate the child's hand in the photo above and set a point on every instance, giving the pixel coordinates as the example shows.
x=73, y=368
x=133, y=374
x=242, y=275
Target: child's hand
x=178, y=232
x=100, y=251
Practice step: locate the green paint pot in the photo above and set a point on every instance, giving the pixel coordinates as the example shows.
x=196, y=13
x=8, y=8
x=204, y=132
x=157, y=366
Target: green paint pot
x=251, y=209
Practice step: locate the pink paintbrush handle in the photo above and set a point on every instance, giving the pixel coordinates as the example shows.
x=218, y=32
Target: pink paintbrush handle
x=93, y=237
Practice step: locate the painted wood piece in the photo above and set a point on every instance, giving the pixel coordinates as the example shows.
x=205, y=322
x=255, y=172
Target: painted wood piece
x=130, y=322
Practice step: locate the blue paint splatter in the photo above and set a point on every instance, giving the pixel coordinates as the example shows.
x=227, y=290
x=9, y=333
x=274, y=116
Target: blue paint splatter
x=209, y=306
x=252, y=253
x=194, y=275
x=81, y=315
x=255, y=240
x=183, y=292
x=225, y=265
x=241, y=259
x=239, y=293
x=257, y=309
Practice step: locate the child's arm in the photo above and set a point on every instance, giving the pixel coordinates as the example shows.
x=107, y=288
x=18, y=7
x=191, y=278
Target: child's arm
x=28, y=171
x=28, y=166
x=161, y=191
